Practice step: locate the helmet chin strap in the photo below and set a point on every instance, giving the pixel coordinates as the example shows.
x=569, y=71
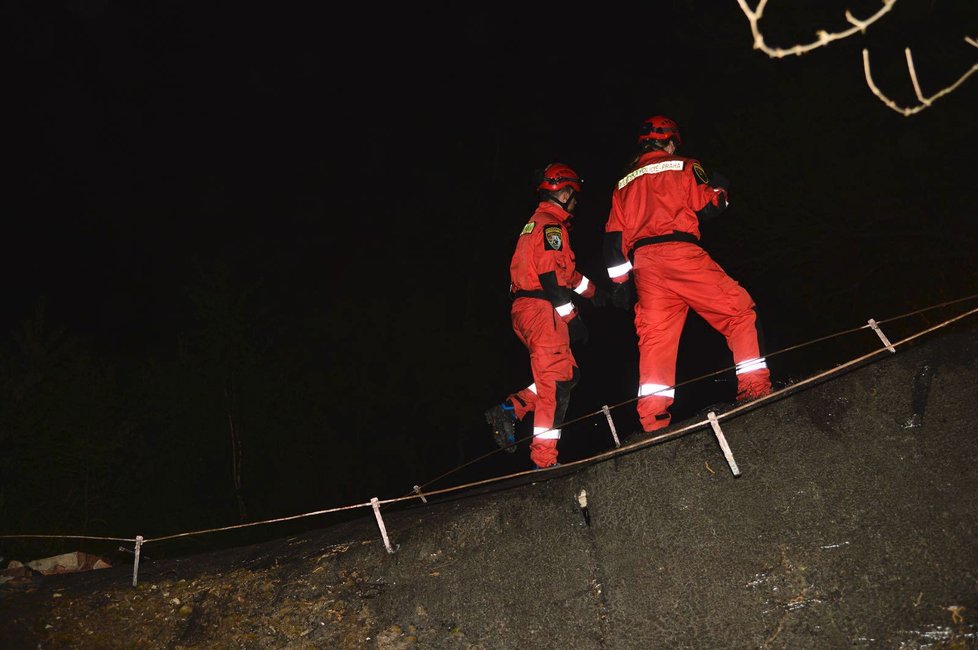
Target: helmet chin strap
x=563, y=204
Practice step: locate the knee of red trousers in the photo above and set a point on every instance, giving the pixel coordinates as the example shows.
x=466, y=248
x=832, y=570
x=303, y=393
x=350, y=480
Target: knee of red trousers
x=543, y=453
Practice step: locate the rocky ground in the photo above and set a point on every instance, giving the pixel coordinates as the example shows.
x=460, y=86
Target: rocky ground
x=853, y=523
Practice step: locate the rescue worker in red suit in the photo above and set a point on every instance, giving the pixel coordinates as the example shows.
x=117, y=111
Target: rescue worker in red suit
x=652, y=250
x=543, y=278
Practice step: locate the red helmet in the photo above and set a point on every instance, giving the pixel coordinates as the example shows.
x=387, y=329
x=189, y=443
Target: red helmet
x=659, y=127
x=557, y=176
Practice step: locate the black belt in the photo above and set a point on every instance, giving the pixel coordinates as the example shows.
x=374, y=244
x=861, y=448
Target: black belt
x=542, y=295
x=676, y=235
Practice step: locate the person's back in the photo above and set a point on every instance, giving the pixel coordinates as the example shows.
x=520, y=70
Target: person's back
x=652, y=242
x=661, y=202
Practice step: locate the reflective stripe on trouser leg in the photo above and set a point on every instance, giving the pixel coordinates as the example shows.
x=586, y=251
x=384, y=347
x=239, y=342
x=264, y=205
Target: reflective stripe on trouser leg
x=751, y=365
x=645, y=390
x=541, y=433
x=543, y=447
x=730, y=310
x=552, y=362
x=753, y=375
x=551, y=359
x=653, y=402
x=659, y=328
x=753, y=379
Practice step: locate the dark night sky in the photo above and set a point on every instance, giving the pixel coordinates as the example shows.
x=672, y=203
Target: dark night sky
x=369, y=156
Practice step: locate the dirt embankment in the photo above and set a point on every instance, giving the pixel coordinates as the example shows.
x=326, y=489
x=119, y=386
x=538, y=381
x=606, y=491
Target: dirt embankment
x=853, y=523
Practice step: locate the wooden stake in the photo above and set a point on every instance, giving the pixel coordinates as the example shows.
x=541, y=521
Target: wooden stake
x=375, y=502
x=611, y=423
x=723, y=443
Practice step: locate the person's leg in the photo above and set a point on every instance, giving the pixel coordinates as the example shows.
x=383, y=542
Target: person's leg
x=730, y=310
x=554, y=376
x=553, y=366
x=564, y=389
x=502, y=418
x=659, y=319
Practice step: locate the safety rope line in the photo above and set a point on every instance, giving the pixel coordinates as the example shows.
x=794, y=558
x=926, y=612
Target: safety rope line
x=107, y=539
x=254, y=523
x=618, y=451
x=707, y=376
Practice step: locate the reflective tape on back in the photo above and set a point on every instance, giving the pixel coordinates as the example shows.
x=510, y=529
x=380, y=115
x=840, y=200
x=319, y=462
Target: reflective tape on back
x=654, y=168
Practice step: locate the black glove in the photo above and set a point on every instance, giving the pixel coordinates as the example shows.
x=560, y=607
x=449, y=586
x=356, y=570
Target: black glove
x=623, y=296
x=719, y=180
x=600, y=297
x=577, y=330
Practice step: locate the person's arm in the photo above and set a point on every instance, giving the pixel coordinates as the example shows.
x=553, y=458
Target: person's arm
x=560, y=297
x=552, y=260
x=615, y=256
x=709, y=193
x=619, y=266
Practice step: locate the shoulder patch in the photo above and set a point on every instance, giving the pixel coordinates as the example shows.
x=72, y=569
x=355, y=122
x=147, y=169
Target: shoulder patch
x=552, y=238
x=528, y=228
x=700, y=173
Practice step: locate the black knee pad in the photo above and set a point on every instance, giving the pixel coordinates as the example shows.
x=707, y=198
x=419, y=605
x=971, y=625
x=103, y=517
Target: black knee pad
x=564, y=389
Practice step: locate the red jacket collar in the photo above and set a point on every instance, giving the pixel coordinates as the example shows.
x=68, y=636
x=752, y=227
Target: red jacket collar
x=652, y=155
x=558, y=212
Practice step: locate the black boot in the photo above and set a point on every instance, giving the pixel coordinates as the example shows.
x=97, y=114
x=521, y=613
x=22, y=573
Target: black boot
x=502, y=419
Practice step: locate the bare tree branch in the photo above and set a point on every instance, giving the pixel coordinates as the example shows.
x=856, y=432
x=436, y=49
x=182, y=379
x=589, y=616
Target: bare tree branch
x=924, y=101
x=824, y=38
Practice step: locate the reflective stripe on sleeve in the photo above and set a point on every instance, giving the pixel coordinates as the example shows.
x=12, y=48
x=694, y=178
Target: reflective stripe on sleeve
x=620, y=270
x=565, y=309
x=582, y=287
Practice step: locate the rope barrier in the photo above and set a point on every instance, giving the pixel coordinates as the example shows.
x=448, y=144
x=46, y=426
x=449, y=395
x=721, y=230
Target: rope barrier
x=871, y=324
x=620, y=449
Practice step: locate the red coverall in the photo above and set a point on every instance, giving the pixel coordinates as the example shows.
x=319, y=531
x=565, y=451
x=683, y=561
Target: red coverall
x=664, y=197
x=542, y=275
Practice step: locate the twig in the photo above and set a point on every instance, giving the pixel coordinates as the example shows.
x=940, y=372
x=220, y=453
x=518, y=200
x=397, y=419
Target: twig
x=824, y=37
x=925, y=102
